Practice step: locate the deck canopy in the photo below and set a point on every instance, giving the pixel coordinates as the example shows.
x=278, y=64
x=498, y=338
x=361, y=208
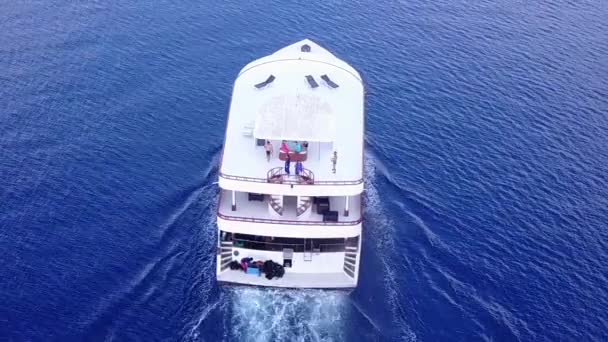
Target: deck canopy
x=299, y=116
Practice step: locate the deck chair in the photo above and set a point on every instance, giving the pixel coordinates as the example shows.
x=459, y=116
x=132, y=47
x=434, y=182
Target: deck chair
x=265, y=83
x=329, y=81
x=311, y=81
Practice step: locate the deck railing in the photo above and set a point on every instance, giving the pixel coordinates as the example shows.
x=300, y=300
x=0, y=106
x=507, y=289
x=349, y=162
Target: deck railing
x=281, y=221
x=278, y=247
x=287, y=222
x=315, y=182
x=277, y=175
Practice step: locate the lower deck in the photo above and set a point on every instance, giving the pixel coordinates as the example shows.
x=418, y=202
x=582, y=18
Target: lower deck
x=290, y=280
x=306, y=262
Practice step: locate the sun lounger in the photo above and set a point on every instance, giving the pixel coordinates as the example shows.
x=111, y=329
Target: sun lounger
x=311, y=81
x=265, y=83
x=329, y=81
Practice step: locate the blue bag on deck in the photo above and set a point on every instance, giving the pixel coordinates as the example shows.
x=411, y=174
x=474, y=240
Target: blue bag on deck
x=253, y=270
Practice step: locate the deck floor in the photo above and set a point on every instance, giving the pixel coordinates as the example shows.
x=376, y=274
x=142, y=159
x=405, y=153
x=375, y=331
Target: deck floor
x=290, y=280
x=257, y=209
x=345, y=109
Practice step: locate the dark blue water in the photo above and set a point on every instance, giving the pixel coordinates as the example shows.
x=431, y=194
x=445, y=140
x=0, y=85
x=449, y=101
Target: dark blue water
x=487, y=184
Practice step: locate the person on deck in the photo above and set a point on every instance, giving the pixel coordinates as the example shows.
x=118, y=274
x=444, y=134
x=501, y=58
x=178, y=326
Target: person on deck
x=268, y=147
x=287, y=164
x=334, y=161
x=299, y=168
x=284, y=148
x=298, y=148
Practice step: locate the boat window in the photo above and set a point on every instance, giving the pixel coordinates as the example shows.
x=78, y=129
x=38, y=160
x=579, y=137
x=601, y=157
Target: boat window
x=225, y=236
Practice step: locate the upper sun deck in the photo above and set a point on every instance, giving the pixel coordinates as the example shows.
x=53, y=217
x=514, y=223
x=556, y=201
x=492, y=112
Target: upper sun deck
x=328, y=116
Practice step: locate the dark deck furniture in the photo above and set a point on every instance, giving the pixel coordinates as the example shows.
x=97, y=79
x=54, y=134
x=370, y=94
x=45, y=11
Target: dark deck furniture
x=329, y=81
x=311, y=81
x=322, y=205
x=265, y=83
x=255, y=197
x=330, y=216
x=316, y=200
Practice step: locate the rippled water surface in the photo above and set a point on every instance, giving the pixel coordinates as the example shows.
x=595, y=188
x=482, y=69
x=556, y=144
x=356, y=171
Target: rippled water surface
x=486, y=177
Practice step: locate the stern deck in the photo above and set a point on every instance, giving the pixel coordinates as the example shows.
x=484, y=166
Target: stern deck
x=290, y=280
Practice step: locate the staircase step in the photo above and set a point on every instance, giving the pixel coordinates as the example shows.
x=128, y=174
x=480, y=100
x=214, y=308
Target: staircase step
x=351, y=267
x=348, y=262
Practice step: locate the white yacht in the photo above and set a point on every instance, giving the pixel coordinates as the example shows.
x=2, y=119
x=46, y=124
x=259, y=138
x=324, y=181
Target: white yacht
x=300, y=204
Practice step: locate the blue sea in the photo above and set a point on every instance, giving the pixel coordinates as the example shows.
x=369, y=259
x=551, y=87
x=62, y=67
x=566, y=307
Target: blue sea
x=486, y=201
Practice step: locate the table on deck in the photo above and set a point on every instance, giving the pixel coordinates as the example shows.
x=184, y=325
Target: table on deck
x=293, y=156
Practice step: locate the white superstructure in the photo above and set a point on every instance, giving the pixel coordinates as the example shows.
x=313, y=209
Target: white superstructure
x=305, y=97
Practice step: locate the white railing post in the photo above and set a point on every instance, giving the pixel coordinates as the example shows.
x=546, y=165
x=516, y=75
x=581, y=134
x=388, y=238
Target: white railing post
x=233, y=200
x=346, y=206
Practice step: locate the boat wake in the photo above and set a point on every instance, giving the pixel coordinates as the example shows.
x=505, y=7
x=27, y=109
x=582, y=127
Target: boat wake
x=379, y=236
x=266, y=314
x=272, y=314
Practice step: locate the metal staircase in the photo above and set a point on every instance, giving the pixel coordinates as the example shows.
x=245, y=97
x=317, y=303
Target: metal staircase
x=350, y=260
x=225, y=254
x=276, y=203
x=304, y=202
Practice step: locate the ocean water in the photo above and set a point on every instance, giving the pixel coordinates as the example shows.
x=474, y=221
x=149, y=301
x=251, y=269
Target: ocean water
x=486, y=203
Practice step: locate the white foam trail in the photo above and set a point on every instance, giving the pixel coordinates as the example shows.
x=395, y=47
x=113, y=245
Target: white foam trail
x=266, y=314
x=194, y=334
x=207, y=194
x=380, y=229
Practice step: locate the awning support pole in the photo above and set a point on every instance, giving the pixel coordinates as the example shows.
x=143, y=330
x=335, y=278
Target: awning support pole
x=319, y=153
